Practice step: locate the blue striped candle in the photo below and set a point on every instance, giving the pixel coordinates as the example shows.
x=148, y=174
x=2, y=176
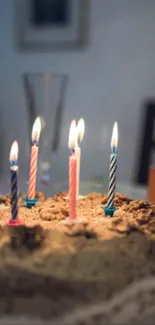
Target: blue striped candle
x=14, y=185
x=113, y=166
x=14, y=192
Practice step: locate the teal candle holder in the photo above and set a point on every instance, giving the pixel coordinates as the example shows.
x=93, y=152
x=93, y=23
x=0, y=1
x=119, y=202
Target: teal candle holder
x=30, y=202
x=109, y=211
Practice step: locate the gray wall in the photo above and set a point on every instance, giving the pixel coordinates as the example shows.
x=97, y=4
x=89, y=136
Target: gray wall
x=108, y=81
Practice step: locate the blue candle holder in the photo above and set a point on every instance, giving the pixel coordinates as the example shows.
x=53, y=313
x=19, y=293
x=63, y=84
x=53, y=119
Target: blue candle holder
x=109, y=211
x=30, y=202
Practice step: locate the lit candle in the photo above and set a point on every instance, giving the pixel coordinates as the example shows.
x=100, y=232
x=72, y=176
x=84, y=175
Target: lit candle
x=34, y=158
x=14, y=186
x=72, y=143
x=113, y=166
x=80, y=135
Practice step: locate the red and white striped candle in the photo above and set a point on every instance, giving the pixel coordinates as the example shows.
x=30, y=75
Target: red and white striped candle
x=80, y=135
x=72, y=143
x=34, y=158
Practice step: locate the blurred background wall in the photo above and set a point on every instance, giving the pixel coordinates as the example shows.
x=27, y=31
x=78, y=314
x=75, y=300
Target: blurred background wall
x=109, y=80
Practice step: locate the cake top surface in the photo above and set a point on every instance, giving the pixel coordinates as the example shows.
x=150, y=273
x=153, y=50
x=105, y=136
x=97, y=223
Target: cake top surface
x=50, y=213
x=85, y=263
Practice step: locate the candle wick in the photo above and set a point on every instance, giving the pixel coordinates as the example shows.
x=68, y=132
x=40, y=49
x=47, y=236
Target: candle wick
x=13, y=162
x=72, y=151
x=35, y=143
x=114, y=149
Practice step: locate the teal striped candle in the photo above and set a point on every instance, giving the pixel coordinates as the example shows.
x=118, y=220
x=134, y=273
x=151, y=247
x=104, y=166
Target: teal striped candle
x=113, y=166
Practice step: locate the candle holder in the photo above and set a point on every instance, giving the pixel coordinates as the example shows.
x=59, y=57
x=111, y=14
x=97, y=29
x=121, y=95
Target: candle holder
x=109, y=211
x=80, y=197
x=30, y=202
x=14, y=222
x=72, y=221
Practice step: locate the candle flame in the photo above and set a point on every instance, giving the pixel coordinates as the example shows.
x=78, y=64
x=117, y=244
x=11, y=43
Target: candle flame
x=72, y=139
x=114, y=139
x=14, y=152
x=80, y=130
x=36, y=130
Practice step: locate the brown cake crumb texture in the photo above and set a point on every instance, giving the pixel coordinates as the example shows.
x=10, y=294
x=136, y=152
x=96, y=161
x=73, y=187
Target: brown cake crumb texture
x=48, y=268
x=50, y=214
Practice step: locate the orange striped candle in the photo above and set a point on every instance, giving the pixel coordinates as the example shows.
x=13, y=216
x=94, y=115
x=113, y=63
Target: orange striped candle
x=72, y=143
x=34, y=158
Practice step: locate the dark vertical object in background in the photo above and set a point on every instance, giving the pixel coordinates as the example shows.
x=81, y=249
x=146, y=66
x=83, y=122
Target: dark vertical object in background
x=58, y=119
x=44, y=99
x=30, y=100
x=148, y=143
x=49, y=12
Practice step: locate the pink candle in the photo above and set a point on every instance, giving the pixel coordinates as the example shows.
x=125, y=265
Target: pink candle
x=72, y=143
x=72, y=186
x=78, y=155
x=34, y=158
x=80, y=135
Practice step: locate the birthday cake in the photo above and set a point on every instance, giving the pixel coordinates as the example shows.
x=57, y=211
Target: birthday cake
x=62, y=273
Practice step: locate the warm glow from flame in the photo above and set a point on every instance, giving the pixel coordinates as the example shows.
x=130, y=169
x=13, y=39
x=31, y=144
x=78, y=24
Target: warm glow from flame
x=14, y=151
x=36, y=130
x=72, y=139
x=80, y=130
x=114, y=139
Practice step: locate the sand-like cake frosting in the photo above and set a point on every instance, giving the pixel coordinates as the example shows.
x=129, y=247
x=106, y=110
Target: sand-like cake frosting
x=48, y=268
x=50, y=213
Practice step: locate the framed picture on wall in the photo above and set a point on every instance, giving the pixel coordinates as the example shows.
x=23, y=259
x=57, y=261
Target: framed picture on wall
x=51, y=24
